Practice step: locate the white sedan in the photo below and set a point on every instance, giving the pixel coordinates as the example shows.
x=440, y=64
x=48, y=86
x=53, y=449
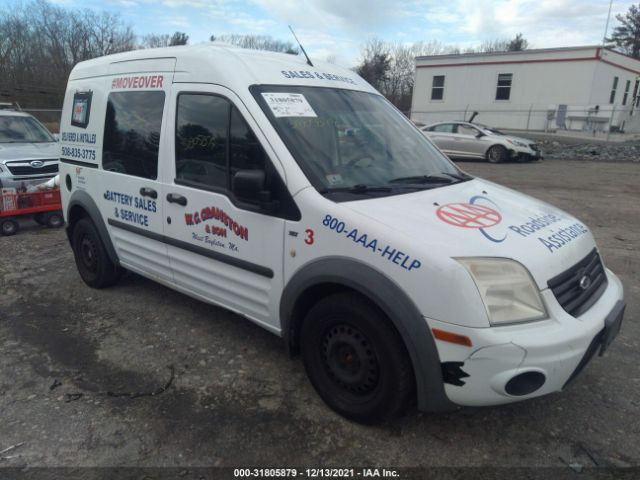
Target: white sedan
x=472, y=140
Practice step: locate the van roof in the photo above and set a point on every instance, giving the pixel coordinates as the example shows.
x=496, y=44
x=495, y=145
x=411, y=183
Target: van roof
x=224, y=65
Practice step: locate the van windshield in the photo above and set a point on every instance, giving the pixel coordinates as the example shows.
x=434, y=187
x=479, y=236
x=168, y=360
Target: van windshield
x=350, y=143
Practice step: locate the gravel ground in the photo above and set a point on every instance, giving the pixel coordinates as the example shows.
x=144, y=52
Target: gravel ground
x=602, y=152
x=565, y=147
x=78, y=366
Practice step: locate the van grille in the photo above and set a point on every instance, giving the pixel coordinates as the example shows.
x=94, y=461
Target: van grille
x=29, y=170
x=578, y=288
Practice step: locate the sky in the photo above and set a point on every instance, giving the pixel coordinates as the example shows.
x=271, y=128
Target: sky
x=338, y=28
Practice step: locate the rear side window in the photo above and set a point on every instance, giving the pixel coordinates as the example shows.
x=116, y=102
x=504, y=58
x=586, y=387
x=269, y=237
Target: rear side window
x=443, y=127
x=132, y=133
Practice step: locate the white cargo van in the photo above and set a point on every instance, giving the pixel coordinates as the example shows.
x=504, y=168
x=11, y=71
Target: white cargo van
x=298, y=197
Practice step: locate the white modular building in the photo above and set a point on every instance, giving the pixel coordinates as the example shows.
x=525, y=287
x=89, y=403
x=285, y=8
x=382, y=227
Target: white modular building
x=588, y=88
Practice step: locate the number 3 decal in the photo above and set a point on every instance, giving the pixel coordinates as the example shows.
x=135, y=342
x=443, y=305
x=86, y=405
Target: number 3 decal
x=309, y=240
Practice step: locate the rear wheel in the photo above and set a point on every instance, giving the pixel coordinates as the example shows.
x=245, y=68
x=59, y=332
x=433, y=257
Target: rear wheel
x=497, y=154
x=94, y=265
x=356, y=360
x=9, y=226
x=53, y=220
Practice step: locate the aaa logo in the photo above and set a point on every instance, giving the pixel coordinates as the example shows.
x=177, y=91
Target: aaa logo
x=472, y=215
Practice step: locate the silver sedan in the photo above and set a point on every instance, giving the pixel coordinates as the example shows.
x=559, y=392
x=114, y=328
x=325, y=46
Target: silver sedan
x=472, y=140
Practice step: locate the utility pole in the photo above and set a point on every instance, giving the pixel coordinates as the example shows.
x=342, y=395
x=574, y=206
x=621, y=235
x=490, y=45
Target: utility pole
x=606, y=26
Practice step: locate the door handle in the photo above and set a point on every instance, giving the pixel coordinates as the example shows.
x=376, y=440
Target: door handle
x=175, y=198
x=148, y=192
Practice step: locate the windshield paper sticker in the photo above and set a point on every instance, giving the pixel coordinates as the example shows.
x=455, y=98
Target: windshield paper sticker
x=389, y=253
x=288, y=105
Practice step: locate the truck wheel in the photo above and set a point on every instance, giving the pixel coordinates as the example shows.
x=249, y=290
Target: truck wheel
x=356, y=360
x=53, y=220
x=9, y=226
x=94, y=265
x=497, y=154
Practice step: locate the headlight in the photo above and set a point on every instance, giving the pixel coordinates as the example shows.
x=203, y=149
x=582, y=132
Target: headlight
x=509, y=293
x=517, y=143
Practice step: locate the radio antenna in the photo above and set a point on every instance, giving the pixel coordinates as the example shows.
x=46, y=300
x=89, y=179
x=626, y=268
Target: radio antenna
x=301, y=47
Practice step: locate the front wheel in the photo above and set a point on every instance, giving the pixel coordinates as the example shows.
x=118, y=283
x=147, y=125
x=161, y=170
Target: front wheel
x=356, y=360
x=497, y=154
x=94, y=265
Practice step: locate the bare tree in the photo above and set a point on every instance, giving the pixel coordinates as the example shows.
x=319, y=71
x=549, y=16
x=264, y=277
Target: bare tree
x=154, y=40
x=390, y=67
x=257, y=42
x=516, y=44
x=40, y=43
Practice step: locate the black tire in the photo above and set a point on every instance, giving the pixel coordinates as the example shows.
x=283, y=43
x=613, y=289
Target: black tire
x=356, y=360
x=497, y=154
x=9, y=226
x=39, y=218
x=53, y=220
x=94, y=265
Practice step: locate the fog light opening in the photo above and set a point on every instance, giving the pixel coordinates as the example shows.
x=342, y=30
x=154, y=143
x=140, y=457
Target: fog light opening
x=525, y=383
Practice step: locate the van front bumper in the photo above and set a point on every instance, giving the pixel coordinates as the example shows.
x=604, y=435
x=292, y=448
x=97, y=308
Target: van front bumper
x=517, y=362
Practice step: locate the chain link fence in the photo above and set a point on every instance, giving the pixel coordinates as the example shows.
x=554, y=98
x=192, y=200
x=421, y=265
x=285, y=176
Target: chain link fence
x=588, y=119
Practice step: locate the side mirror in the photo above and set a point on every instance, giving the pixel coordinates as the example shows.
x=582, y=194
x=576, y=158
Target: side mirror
x=56, y=136
x=480, y=134
x=250, y=186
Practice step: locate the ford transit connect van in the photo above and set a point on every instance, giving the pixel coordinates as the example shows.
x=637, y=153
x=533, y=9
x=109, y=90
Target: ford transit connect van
x=299, y=198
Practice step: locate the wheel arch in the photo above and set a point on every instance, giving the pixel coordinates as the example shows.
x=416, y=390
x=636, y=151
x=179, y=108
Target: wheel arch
x=81, y=205
x=504, y=147
x=330, y=275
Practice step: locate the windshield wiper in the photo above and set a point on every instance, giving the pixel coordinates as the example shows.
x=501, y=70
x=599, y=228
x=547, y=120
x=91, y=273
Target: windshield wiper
x=359, y=188
x=440, y=178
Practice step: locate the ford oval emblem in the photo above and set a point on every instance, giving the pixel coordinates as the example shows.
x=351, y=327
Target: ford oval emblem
x=37, y=163
x=585, y=282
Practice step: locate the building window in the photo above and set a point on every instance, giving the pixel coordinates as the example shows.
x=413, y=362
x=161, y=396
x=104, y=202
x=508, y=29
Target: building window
x=626, y=92
x=503, y=90
x=636, y=97
x=132, y=133
x=437, y=87
x=614, y=87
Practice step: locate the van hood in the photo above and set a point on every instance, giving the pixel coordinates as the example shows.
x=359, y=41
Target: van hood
x=28, y=151
x=479, y=218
